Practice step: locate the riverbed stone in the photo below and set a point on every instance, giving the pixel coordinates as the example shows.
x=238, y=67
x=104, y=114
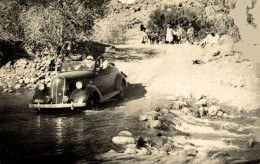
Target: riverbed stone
x=213, y=110
x=155, y=123
x=17, y=86
x=225, y=115
x=130, y=151
x=143, y=117
x=120, y=140
x=186, y=110
x=202, y=102
x=220, y=113
x=125, y=133
x=164, y=111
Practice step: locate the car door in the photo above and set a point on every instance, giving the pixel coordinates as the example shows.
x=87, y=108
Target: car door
x=103, y=80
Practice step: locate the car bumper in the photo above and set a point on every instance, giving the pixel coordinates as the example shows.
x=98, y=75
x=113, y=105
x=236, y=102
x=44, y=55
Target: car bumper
x=71, y=105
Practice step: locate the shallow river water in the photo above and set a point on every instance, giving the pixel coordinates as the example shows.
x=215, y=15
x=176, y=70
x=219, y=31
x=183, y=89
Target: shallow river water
x=70, y=136
x=55, y=136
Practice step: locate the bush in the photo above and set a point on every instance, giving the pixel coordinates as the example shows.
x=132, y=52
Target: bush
x=205, y=16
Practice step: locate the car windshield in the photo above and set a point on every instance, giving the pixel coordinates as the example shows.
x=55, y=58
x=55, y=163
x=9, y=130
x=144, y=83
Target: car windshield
x=78, y=66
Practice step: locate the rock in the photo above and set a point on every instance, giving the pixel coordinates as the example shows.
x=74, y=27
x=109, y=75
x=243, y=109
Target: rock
x=225, y=115
x=17, y=86
x=143, y=117
x=143, y=151
x=186, y=110
x=26, y=81
x=111, y=151
x=164, y=111
x=33, y=80
x=119, y=140
x=130, y=151
x=20, y=81
x=191, y=152
x=220, y=113
x=196, y=114
x=125, y=133
x=47, y=79
x=202, y=102
x=155, y=123
x=250, y=143
x=213, y=110
x=180, y=104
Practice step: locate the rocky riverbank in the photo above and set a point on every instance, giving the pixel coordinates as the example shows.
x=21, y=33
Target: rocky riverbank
x=186, y=131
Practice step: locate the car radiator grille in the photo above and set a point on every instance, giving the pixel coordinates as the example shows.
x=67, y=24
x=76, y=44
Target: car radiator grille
x=58, y=90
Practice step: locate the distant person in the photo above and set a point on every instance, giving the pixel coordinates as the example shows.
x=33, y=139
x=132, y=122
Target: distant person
x=169, y=36
x=181, y=33
x=145, y=38
x=142, y=28
x=190, y=33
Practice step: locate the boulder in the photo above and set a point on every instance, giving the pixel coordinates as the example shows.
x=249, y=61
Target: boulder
x=213, y=110
x=220, y=113
x=130, y=151
x=143, y=117
x=155, y=123
x=164, y=111
x=17, y=86
x=143, y=151
x=196, y=114
x=125, y=133
x=202, y=102
x=225, y=115
x=27, y=81
x=190, y=152
x=120, y=140
x=186, y=110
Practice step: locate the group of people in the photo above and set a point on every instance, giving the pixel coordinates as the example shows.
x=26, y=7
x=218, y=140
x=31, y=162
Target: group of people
x=179, y=35
x=173, y=36
x=151, y=37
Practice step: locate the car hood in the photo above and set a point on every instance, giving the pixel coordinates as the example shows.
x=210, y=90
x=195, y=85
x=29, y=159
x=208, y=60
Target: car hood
x=77, y=74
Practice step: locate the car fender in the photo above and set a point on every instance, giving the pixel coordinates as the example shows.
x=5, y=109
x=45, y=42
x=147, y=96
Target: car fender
x=118, y=79
x=82, y=95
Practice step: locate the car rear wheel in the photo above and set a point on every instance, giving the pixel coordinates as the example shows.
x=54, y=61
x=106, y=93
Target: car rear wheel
x=121, y=95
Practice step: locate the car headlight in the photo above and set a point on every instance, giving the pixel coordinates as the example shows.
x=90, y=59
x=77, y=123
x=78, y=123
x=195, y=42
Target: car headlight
x=41, y=87
x=79, y=85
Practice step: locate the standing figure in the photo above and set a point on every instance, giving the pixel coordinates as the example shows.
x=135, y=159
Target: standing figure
x=181, y=33
x=169, y=36
x=190, y=33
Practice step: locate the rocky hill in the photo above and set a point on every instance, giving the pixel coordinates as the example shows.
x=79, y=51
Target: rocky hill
x=129, y=16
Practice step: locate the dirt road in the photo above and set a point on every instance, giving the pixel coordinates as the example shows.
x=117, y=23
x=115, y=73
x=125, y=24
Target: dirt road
x=158, y=72
x=171, y=72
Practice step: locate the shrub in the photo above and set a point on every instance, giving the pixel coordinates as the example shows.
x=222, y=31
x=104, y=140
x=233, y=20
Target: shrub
x=205, y=16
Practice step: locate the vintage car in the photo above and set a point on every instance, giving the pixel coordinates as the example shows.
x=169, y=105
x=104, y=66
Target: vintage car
x=80, y=84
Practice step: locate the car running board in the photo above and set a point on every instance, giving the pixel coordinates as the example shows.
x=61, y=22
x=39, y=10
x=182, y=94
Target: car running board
x=109, y=95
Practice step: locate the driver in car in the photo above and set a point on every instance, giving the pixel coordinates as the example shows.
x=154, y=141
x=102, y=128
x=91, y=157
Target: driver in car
x=89, y=62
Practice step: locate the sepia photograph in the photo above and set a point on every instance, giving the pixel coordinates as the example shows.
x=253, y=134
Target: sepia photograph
x=130, y=81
